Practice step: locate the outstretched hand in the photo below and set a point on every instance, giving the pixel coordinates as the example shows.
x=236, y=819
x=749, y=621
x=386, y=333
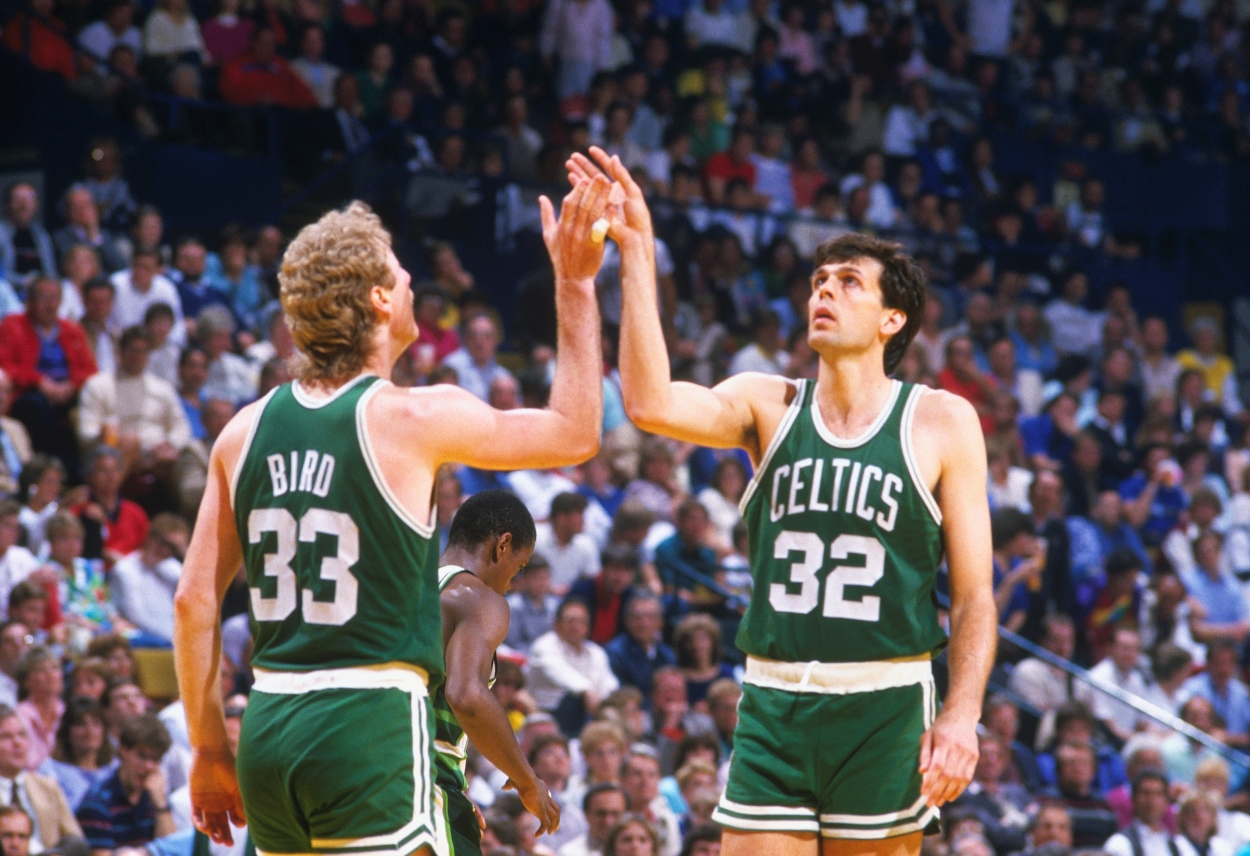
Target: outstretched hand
x=215, y=799
x=573, y=254
x=628, y=217
x=538, y=801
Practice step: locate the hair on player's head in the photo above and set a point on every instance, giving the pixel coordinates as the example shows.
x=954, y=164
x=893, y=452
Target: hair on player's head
x=489, y=514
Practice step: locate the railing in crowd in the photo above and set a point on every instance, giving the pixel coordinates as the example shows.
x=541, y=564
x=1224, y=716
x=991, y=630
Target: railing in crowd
x=1139, y=704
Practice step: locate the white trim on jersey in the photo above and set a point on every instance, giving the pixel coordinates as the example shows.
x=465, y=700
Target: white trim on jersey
x=909, y=454
x=855, y=442
x=247, y=443
x=425, y=530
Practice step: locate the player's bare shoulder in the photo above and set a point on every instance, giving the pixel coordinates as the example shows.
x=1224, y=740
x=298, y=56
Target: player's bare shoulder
x=764, y=400
x=946, y=432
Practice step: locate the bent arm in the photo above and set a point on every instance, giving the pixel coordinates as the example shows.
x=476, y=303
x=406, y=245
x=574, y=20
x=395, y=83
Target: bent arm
x=966, y=529
x=212, y=561
x=480, y=623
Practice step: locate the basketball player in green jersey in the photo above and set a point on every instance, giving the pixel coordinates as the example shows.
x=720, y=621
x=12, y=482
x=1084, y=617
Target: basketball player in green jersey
x=862, y=483
x=322, y=491
x=491, y=538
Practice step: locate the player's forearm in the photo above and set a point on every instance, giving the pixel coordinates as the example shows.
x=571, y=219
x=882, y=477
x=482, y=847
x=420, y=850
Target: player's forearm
x=198, y=667
x=646, y=377
x=486, y=723
x=577, y=390
x=974, y=636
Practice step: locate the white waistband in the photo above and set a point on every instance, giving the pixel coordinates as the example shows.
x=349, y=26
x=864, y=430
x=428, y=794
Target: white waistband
x=397, y=676
x=836, y=678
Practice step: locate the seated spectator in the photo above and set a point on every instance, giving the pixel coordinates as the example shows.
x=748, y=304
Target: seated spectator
x=1181, y=755
x=532, y=605
x=82, y=601
x=28, y=605
x=189, y=275
x=83, y=227
x=1042, y=685
x=685, y=552
x=1204, y=509
x=112, y=526
x=55, y=829
x=163, y=355
x=1153, y=498
x=474, y=362
x=261, y=76
x=26, y=249
x=1219, y=612
x=40, y=686
x=1119, y=668
x=139, y=287
x=231, y=272
x=83, y=755
x=549, y=756
x=608, y=594
x=1019, y=563
x=640, y=779
x=568, y=674
x=226, y=35
x=16, y=562
x=692, y=749
x=1143, y=751
x=765, y=353
x=1219, y=684
x=191, y=470
x=172, y=34
x=1074, y=723
x=15, y=448
x=656, y=487
x=429, y=302
x=723, y=697
x=89, y=679
x=603, y=805
x=1002, y=719
x=48, y=360
x=1196, y=826
x=97, y=301
x=144, y=582
x=230, y=377
x=114, y=649
x=603, y=746
x=1169, y=666
x=135, y=410
x=42, y=479
x=1118, y=604
x=1232, y=826
x=639, y=649
x=1000, y=807
x=116, y=27
x=1147, y=834
x=130, y=807
x=1093, y=822
x=1050, y=832
x=700, y=793
x=697, y=643
x=41, y=39
x=569, y=551
x=318, y=75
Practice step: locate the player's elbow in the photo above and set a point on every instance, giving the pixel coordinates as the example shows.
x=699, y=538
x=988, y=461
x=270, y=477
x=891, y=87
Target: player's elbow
x=466, y=698
x=645, y=413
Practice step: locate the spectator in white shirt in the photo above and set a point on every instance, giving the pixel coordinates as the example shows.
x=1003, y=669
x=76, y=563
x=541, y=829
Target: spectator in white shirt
x=1159, y=369
x=907, y=126
x=710, y=23
x=1119, y=669
x=1042, y=685
x=1146, y=835
x=474, y=362
x=117, y=28
x=230, y=377
x=881, y=211
x=15, y=641
x=1073, y=328
x=772, y=171
x=568, y=674
x=171, y=32
x=766, y=353
x=16, y=563
x=138, y=288
x=1196, y=820
x=570, y=551
x=640, y=779
x=143, y=583
x=579, y=34
x=317, y=74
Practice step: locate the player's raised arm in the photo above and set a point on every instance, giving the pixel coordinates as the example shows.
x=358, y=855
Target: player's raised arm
x=212, y=560
x=950, y=426
x=720, y=417
x=567, y=432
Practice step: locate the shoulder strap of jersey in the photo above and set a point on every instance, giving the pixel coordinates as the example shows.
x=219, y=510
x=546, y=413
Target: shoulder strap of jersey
x=447, y=572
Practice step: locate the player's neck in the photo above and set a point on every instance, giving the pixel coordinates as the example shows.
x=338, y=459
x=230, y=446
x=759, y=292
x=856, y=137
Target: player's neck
x=851, y=392
x=461, y=558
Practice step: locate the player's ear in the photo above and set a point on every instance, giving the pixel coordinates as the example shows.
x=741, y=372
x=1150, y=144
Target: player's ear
x=503, y=546
x=380, y=298
x=893, y=321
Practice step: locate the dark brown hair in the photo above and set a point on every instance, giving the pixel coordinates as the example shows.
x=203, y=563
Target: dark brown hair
x=902, y=284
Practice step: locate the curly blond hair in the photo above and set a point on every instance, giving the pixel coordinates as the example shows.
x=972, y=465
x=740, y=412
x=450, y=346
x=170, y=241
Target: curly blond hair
x=326, y=276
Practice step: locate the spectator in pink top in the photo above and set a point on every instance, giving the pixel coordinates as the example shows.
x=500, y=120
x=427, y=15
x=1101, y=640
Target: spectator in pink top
x=40, y=685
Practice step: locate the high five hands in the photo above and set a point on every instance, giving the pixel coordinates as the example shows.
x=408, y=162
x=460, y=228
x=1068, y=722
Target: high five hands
x=626, y=214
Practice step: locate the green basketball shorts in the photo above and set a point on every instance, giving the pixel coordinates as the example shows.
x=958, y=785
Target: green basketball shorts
x=338, y=761
x=462, y=826
x=830, y=748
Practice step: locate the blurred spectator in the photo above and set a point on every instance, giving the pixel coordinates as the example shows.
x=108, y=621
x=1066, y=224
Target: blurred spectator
x=568, y=674
x=1217, y=369
x=141, y=286
x=1093, y=822
x=16, y=564
x=191, y=469
x=80, y=264
x=607, y=594
x=1196, y=825
x=113, y=526
x=143, y=583
x=1219, y=685
x=15, y=447
x=130, y=808
x=226, y=35
x=577, y=34
x=1120, y=670
x=261, y=76
x=97, y=299
x=697, y=644
x=603, y=806
x=640, y=779
x=83, y=227
x=1050, y=831
x=1219, y=612
x=532, y=605
x=686, y=554
x=1042, y=685
x=55, y=829
x=230, y=377
x=1000, y=807
x=171, y=33
x=1147, y=834
x=639, y=649
x=765, y=353
x=474, y=362
x=48, y=360
x=1118, y=604
x=570, y=552
x=26, y=249
x=41, y=39
x=116, y=27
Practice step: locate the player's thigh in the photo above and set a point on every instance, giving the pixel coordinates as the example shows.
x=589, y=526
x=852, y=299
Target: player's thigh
x=736, y=842
x=899, y=845
x=464, y=831
x=869, y=788
x=329, y=768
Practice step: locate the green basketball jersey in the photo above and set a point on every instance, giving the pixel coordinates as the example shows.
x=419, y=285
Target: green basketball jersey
x=340, y=573
x=845, y=541
x=450, y=742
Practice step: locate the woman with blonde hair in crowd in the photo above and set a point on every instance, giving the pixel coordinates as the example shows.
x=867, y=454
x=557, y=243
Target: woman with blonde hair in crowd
x=1196, y=820
x=1232, y=826
x=603, y=746
x=40, y=684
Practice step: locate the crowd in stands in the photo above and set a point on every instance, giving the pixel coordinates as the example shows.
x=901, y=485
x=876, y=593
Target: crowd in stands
x=1116, y=439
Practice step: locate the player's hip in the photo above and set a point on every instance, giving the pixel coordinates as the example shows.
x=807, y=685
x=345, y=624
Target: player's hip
x=838, y=678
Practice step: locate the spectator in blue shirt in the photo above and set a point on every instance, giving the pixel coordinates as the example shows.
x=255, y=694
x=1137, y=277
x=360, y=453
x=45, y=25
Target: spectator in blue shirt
x=1153, y=498
x=130, y=808
x=1228, y=696
x=685, y=551
x=1049, y=436
x=1224, y=615
x=636, y=653
x=1019, y=561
